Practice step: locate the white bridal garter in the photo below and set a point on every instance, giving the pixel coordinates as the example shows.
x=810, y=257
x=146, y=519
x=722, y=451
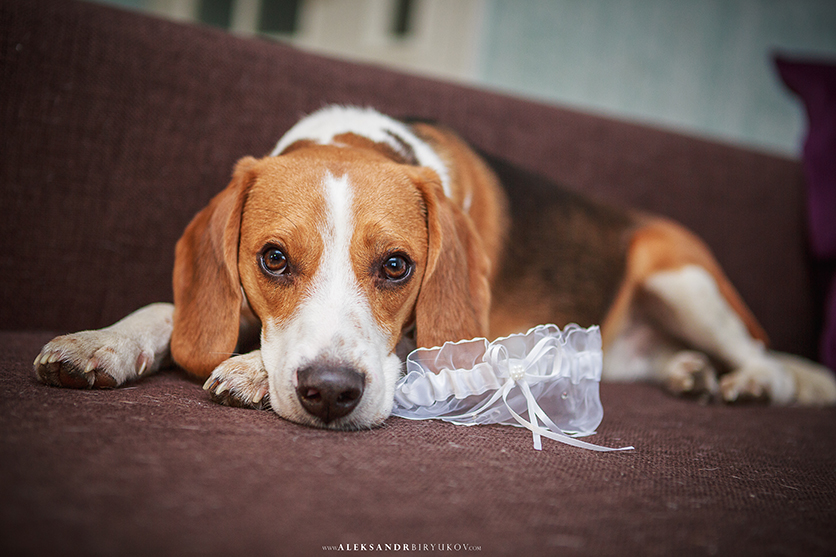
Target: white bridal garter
x=545, y=380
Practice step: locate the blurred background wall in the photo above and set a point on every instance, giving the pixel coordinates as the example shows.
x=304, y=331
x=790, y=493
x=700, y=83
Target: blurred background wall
x=703, y=67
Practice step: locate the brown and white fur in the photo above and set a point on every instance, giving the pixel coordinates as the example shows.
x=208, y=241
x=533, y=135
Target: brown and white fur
x=360, y=237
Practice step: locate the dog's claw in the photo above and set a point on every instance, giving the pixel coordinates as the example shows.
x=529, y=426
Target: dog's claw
x=260, y=394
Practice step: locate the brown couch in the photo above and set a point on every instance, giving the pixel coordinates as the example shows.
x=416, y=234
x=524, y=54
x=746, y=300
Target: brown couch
x=116, y=128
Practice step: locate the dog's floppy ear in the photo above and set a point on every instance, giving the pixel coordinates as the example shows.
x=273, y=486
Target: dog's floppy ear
x=207, y=291
x=454, y=300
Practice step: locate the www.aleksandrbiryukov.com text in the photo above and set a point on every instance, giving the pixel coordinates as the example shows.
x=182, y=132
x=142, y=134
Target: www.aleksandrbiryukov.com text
x=405, y=547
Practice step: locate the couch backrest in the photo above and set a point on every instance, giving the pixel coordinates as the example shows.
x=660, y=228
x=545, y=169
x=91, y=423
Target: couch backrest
x=118, y=127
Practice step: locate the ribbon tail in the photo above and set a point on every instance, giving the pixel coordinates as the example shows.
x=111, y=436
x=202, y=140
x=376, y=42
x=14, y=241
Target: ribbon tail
x=557, y=435
x=580, y=444
x=532, y=413
x=553, y=427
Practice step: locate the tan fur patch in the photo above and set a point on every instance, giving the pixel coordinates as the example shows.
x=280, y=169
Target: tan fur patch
x=283, y=209
x=389, y=220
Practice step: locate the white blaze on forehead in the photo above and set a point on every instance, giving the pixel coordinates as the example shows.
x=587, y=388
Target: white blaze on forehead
x=335, y=284
x=324, y=125
x=335, y=320
x=334, y=290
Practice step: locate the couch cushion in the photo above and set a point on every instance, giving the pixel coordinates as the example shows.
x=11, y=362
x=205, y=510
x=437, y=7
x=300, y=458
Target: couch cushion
x=156, y=468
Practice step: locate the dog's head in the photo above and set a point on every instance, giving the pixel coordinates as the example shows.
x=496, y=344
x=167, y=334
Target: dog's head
x=338, y=249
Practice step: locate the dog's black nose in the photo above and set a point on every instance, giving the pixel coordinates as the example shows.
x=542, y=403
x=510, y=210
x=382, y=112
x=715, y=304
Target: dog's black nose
x=329, y=391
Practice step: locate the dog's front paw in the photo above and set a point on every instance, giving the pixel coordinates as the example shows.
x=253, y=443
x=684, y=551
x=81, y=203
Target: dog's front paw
x=241, y=381
x=91, y=359
x=761, y=379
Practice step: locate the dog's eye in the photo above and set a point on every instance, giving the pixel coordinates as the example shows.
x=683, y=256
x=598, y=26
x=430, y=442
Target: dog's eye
x=396, y=268
x=273, y=261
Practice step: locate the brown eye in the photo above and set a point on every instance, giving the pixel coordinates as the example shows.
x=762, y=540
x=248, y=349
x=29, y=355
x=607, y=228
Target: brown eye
x=273, y=261
x=396, y=268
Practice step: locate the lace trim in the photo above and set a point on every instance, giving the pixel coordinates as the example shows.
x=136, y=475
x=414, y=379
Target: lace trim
x=547, y=375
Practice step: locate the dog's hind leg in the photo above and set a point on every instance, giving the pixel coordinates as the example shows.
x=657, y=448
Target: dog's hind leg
x=689, y=303
x=136, y=346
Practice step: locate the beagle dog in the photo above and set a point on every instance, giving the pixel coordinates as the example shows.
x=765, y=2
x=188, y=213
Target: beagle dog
x=304, y=283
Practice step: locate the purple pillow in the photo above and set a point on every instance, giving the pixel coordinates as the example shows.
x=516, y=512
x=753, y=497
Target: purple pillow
x=815, y=84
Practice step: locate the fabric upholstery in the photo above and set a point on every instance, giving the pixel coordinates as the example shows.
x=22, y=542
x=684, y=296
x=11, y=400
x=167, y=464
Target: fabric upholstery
x=158, y=469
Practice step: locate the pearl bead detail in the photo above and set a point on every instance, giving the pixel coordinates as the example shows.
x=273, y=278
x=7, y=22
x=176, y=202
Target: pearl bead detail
x=517, y=372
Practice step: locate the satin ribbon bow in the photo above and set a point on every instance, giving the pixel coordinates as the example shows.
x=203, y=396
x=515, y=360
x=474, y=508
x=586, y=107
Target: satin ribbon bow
x=519, y=375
